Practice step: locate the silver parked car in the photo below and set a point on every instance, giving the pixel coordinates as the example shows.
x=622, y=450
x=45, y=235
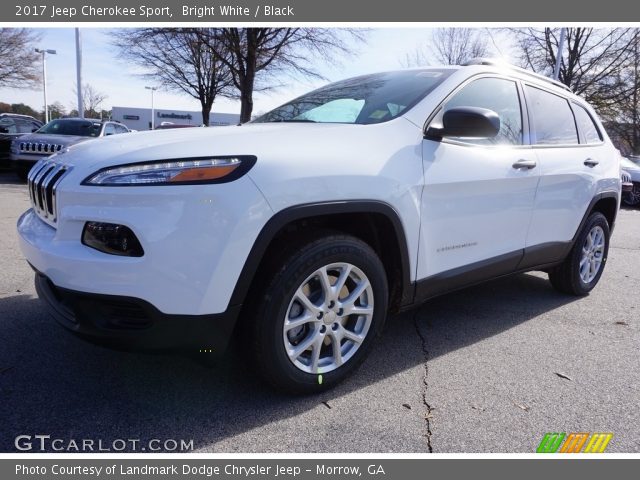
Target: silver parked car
x=54, y=137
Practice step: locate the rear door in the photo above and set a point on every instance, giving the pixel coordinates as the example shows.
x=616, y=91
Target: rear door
x=569, y=166
x=477, y=200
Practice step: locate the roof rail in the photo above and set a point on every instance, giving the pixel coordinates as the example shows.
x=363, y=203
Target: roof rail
x=496, y=62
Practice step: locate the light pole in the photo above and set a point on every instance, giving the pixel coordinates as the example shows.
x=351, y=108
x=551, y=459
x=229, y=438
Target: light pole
x=79, y=73
x=153, y=118
x=556, y=71
x=44, y=52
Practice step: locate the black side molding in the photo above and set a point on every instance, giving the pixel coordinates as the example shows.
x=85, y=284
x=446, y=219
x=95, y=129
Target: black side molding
x=467, y=275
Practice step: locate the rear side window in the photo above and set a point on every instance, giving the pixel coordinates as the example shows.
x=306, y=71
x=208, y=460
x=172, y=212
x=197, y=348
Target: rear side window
x=553, y=122
x=8, y=126
x=25, y=126
x=586, y=125
x=499, y=95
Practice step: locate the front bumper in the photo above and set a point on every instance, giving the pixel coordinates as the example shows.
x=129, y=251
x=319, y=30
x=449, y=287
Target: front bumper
x=132, y=323
x=627, y=187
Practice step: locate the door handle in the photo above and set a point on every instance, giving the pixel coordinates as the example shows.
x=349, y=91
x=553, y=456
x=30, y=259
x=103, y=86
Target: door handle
x=589, y=162
x=524, y=164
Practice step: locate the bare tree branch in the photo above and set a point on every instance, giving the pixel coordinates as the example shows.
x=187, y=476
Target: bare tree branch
x=450, y=46
x=92, y=100
x=19, y=66
x=592, y=58
x=179, y=60
x=254, y=56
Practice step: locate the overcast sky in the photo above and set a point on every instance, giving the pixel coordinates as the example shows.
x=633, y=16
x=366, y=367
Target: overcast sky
x=385, y=49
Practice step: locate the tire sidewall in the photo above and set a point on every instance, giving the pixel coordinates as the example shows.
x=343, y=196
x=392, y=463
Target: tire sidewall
x=280, y=293
x=595, y=219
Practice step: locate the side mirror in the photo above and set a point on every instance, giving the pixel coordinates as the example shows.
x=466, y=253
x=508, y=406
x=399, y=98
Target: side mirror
x=467, y=122
x=34, y=129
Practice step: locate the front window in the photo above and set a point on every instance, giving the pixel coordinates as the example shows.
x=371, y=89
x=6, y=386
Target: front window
x=497, y=94
x=362, y=100
x=80, y=128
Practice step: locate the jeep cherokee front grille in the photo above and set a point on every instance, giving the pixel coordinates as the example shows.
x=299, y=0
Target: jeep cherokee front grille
x=40, y=148
x=43, y=181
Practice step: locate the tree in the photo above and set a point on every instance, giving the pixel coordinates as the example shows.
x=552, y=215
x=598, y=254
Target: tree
x=592, y=58
x=623, y=117
x=254, y=56
x=56, y=110
x=92, y=100
x=23, y=109
x=179, y=60
x=450, y=46
x=19, y=67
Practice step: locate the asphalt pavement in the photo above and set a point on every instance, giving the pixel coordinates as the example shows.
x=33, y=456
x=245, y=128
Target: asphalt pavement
x=488, y=369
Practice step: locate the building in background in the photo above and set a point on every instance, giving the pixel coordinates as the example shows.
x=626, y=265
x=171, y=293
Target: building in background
x=140, y=118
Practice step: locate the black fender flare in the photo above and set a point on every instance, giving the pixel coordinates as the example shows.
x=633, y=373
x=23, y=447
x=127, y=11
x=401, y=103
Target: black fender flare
x=309, y=210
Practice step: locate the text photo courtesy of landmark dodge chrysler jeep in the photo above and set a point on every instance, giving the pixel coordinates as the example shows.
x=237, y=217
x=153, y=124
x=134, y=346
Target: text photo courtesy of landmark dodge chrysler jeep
x=308, y=225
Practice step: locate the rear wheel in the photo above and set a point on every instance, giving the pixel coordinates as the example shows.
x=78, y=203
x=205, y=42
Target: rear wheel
x=318, y=316
x=583, y=267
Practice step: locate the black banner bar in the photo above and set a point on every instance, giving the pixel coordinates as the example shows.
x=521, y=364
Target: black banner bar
x=315, y=469
x=288, y=11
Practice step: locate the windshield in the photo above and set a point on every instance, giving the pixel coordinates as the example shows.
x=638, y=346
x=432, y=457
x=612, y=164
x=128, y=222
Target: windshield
x=362, y=100
x=80, y=128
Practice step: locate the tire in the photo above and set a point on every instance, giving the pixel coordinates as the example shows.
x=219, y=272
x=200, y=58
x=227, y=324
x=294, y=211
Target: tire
x=632, y=199
x=583, y=267
x=295, y=311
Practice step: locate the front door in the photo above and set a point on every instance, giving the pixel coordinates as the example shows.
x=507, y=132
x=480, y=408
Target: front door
x=478, y=193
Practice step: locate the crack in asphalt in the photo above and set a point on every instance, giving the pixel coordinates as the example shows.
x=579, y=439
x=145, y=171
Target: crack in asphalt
x=425, y=384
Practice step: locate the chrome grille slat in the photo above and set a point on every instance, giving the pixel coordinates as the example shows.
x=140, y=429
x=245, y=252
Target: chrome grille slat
x=45, y=192
x=39, y=180
x=43, y=181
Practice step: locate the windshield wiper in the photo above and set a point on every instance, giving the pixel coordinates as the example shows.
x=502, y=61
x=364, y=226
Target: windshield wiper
x=295, y=120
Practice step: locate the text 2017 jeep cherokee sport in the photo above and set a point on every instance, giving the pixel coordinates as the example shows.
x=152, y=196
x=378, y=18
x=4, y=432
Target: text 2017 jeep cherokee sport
x=310, y=223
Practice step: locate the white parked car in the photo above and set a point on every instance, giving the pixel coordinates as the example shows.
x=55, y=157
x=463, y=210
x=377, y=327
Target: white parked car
x=311, y=223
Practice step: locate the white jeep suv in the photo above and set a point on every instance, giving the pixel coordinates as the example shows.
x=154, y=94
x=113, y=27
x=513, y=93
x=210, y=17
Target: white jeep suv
x=310, y=224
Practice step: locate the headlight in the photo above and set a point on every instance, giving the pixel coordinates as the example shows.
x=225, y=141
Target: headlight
x=188, y=171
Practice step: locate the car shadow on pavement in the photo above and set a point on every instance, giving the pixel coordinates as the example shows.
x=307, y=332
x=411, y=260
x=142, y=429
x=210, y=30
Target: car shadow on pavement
x=56, y=384
x=8, y=177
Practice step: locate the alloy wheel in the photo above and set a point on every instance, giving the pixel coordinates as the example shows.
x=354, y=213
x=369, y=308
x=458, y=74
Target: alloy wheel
x=592, y=254
x=328, y=318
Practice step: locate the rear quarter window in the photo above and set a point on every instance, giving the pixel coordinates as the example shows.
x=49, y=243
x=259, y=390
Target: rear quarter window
x=553, y=122
x=586, y=125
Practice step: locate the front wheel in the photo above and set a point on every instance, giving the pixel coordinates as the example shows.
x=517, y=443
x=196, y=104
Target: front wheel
x=318, y=316
x=583, y=267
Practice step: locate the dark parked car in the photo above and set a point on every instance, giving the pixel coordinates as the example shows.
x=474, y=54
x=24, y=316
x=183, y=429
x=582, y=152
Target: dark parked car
x=631, y=195
x=55, y=136
x=13, y=126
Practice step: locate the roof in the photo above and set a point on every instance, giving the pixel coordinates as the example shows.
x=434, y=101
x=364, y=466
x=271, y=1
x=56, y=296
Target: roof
x=19, y=115
x=496, y=62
